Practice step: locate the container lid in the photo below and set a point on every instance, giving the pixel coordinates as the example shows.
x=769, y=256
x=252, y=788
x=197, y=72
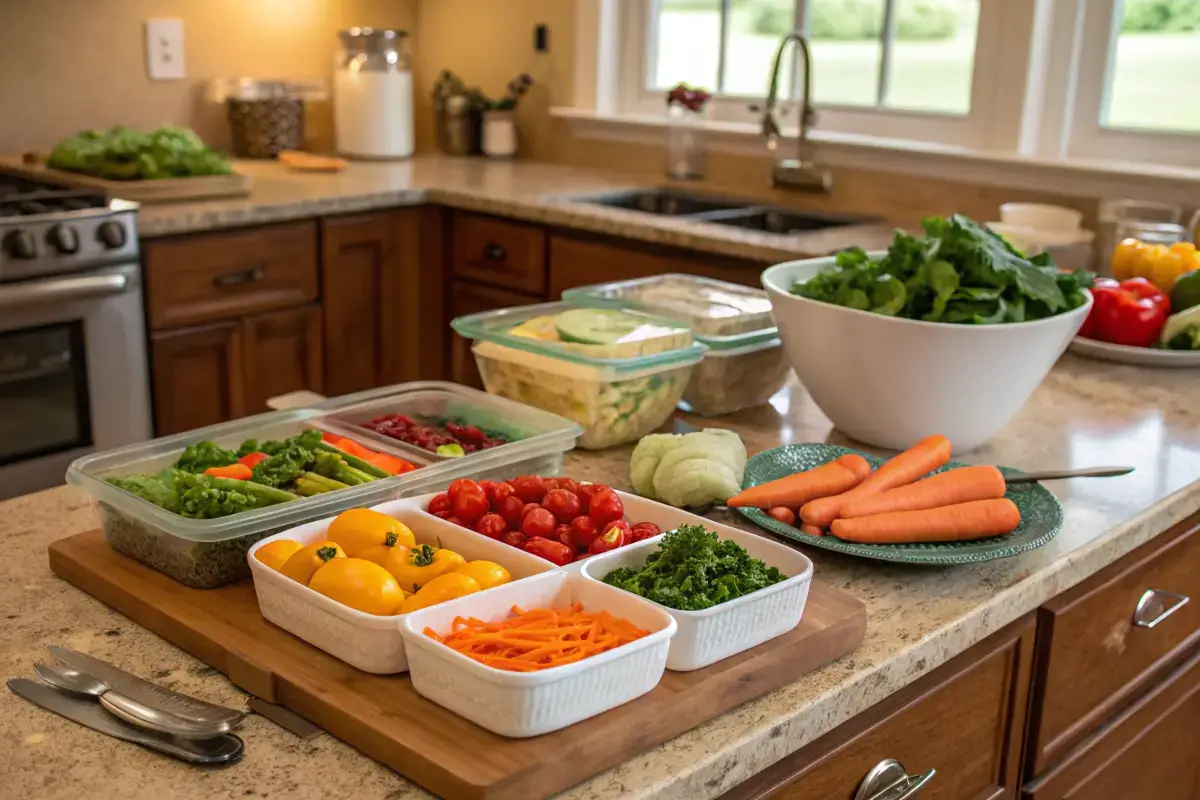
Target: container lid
x=613, y=338
x=723, y=315
x=222, y=89
x=371, y=40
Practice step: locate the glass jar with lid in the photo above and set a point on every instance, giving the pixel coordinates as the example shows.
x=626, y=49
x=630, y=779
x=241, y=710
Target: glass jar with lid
x=373, y=94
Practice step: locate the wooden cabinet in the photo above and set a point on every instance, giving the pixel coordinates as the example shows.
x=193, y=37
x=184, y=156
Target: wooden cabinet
x=467, y=297
x=282, y=353
x=197, y=376
x=965, y=720
x=382, y=279
x=499, y=252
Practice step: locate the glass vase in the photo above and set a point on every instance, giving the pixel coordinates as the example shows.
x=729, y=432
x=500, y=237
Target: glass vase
x=685, y=143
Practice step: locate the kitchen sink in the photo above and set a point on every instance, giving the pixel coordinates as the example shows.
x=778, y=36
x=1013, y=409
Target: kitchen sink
x=771, y=220
x=667, y=202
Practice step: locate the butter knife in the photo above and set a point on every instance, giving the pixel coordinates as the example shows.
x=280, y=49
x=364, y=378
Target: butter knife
x=147, y=693
x=223, y=749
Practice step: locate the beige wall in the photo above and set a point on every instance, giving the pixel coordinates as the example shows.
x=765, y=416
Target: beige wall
x=72, y=64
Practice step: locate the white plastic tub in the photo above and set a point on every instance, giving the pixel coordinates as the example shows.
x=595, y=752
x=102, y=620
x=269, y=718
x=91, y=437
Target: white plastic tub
x=532, y=703
x=369, y=642
x=707, y=636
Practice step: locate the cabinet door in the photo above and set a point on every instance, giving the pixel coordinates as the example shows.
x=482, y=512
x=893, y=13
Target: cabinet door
x=281, y=354
x=197, y=376
x=382, y=280
x=467, y=297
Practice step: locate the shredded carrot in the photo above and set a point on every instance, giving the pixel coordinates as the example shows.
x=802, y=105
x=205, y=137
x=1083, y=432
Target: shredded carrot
x=538, y=639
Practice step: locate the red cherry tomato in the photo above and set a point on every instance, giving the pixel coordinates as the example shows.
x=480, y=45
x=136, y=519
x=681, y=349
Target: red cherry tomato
x=563, y=534
x=489, y=489
x=555, y=552
x=584, y=555
x=444, y=514
x=459, y=522
x=514, y=539
x=614, y=536
x=512, y=509
x=590, y=490
x=570, y=484
x=471, y=503
x=529, y=488
x=538, y=522
x=500, y=493
x=583, y=530
x=783, y=514
x=643, y=531
x=491, y=525
x=458, y=485
x=606, y=506
x=439, y=502
x=551, y=483
x=563, y=504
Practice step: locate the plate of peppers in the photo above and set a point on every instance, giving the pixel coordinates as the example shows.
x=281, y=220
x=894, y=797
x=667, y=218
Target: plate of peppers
x=1137, y=322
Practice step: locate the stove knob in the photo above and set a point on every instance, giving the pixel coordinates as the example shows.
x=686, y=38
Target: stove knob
x=20, y=244
x=111, y=235
x=64, y=239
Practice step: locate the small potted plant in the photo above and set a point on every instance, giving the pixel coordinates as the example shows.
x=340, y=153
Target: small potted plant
x=686, y=107
x=499, y=122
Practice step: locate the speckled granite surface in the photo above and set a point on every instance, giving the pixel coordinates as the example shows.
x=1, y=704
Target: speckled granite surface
x=1085, y=413
x=531, y=191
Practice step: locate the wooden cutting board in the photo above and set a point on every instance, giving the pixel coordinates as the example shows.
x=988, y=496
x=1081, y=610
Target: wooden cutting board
x=385, y=718
x=167, y=190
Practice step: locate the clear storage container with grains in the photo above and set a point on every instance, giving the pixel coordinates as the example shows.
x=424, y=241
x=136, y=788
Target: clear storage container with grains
x=745, y=363
x=618, y=373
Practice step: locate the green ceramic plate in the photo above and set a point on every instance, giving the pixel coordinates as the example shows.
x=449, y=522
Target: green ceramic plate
x=1041, y=515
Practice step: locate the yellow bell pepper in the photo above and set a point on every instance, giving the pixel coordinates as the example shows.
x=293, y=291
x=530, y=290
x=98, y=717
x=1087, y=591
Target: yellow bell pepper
x=1124, y=258
x=439, y=590
x=1157, y=263
x=419, y=565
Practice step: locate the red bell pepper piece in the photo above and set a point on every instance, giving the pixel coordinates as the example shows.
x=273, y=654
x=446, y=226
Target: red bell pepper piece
x=251, y=459
x=1144, y=289
x=1131, y=317
x=237, y=471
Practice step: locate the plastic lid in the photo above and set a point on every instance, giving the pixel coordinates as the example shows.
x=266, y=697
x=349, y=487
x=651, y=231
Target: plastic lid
x=723, y=315
x=620, y=339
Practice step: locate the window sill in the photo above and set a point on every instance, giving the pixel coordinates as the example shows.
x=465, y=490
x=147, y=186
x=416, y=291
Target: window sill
x=1083, y=178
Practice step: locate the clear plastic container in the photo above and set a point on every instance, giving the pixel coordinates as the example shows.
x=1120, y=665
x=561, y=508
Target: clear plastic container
x=618, y=391
x=746, y=362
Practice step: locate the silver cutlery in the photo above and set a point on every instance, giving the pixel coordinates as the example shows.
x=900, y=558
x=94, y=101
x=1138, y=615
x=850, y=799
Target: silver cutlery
x=149, y=694
x=126, y=708
x=223, y=749
x=1056, y=474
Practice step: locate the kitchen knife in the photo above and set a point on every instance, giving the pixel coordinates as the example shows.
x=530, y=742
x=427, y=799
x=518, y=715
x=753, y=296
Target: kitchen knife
x=148, y=693
x=223, y=749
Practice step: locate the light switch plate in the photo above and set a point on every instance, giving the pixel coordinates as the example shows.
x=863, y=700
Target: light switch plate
x=164, y=49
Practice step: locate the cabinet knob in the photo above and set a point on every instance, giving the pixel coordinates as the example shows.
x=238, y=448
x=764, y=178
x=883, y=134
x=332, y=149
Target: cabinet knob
x=888, y=780
x=1155, y=605
x=493, y=252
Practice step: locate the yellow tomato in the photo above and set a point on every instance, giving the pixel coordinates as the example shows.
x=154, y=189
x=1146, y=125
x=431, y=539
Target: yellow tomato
x=307, y=560
x=380, y=552
x=275, y=554
x=488, y=573
x=359, y=584
x=359, y=528
x=439, y=590
x=1124, y=257
x=417, y=566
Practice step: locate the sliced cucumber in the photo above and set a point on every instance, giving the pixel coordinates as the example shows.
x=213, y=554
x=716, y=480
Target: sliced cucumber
x=596, y=325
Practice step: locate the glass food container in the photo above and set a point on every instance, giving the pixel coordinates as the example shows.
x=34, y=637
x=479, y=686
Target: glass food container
x=265, y=117
x=745, y=363
x=618, y=373
x=372, y=95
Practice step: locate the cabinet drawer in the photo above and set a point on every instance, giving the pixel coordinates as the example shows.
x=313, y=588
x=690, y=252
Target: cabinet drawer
x=499, y=253
x=1149, y=751
x=469, y=298
x=1094, y=658
x=965, y=720
x=216, y=276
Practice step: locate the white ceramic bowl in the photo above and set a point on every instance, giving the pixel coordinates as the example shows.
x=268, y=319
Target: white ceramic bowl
x=705, y=637
x=1040, y=216
x=521, y=704
x=890, y=382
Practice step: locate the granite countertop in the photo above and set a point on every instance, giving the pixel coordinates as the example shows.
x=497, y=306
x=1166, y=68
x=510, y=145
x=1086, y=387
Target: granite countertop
x=532, y=191
x=1084, y=413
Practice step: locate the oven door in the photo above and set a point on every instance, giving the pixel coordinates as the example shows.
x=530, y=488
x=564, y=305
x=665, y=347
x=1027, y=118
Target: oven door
x=73, y=373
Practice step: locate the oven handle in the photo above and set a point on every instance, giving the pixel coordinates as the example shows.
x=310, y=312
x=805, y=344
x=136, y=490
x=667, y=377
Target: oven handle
x=61, y=290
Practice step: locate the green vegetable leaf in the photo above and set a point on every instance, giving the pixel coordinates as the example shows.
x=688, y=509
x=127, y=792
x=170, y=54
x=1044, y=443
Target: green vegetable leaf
x=888, y=295
x=202, y=455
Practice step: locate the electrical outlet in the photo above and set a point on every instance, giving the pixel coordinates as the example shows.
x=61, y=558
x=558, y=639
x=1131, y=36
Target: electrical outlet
x=164, y=49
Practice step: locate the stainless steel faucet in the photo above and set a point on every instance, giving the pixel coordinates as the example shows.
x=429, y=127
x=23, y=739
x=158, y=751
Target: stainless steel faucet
x=802, y=172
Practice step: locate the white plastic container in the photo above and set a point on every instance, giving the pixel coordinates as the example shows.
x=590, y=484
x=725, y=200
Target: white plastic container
x=372, y=95
x=1040, y=216
x=371, y=643
x=532, y=703
x=705, y=637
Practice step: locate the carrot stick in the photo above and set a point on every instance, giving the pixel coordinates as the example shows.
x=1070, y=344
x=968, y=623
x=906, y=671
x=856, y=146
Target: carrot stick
x=960, y=485
x=974, y=520
x=856, y=464
x=811, y=530
x=915, y=462
x=795, y=490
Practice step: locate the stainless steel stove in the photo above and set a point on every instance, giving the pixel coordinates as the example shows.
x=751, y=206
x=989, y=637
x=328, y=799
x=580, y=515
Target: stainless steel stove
x=73, y=371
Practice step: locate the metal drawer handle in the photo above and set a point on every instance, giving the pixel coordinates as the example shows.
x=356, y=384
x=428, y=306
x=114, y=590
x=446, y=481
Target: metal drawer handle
x=1152, y=607
x=493, y=252
x=888, y=780
x=240, y=277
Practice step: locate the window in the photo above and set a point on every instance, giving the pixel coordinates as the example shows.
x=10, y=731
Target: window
x=1154, y=76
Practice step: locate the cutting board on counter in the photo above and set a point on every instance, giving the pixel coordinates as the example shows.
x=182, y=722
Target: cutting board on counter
x=386, y=719
x=166, y=190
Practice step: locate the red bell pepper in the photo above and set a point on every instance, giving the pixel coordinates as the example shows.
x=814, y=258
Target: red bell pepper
x=1147, y=290
x=251, y=459
x=239, y=472
x=1132, y=315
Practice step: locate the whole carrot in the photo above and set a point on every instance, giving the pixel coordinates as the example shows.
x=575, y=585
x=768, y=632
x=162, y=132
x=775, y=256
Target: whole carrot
x=960, y=485
x=795, y=490
x=915, y=462
x=856, y=464
x=811, y=530
x=975, y=520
